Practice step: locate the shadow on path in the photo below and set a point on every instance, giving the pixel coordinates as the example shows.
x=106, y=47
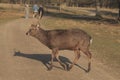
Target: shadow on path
x=45, y=58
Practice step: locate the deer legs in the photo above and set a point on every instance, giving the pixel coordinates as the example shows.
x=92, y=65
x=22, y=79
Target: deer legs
x=52, y=58
x=77, y=56
x=88, y=54
x=55, y=55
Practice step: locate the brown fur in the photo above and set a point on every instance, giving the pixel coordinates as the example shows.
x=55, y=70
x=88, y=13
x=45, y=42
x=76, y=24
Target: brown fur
x=72, y=39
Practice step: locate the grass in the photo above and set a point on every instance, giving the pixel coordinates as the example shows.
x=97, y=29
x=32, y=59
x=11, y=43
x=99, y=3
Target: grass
x=7, y=15
x=106, y=35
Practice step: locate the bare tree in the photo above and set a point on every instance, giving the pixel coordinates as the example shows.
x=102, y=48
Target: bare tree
x=119, y=10
x=98, y=14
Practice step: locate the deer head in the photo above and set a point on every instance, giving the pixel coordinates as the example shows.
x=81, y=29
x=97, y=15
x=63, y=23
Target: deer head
x=33, y=29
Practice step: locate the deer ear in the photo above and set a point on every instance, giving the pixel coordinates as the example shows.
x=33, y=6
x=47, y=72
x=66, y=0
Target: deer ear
x=38, y=26
x=33, y=25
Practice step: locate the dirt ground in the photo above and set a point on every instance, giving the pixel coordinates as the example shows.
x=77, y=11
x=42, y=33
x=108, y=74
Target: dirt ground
x=24, y=58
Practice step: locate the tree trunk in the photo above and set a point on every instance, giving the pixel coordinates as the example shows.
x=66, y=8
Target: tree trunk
x=59, y=6
x=20, y=2
x=119, y=10
x=98, y=9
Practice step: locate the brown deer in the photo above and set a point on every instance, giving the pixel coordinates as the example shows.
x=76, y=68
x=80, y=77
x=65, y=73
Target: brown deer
x=71, y=39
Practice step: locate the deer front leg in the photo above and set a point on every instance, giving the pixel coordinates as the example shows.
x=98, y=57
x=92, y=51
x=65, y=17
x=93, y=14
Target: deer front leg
x=57, y=57
x=52, y=58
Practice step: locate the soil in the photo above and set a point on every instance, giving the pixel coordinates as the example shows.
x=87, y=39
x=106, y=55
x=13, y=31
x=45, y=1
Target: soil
x=23, y=57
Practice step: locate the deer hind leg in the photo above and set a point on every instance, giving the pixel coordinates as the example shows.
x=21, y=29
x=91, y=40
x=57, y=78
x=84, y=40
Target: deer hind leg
x=89, y=55
x=77, y=56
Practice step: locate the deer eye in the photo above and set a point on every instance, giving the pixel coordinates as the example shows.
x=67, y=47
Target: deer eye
x=29, y=30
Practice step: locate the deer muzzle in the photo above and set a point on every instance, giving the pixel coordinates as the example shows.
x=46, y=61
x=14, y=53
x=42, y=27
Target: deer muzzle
x=27, y=33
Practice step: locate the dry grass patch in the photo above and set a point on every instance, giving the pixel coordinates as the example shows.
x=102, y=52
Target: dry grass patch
x=106, y=37
x=8, y=15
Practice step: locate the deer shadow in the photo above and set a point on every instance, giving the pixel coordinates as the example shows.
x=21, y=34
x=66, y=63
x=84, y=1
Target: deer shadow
x=45, y=59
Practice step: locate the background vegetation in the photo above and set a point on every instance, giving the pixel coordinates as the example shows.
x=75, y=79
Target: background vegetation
x=73, y=3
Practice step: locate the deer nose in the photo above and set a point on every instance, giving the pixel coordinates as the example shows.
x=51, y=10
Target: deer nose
x=27, y=33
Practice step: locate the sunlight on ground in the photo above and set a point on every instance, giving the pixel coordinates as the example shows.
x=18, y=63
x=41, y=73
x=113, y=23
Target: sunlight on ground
x=106, y=36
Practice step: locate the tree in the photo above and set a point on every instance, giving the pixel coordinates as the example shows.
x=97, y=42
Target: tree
x=59, y=5
x=98, y=14
x=119, y=10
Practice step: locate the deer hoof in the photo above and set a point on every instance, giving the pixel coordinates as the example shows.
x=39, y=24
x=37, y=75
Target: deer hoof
x=64, y=66
x=50, y=68
x=88, y=70
x=70, y=67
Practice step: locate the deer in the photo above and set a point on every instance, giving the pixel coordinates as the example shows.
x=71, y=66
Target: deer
x=76, y=40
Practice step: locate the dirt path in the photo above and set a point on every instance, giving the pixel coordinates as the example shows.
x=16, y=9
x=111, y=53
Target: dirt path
x=23, y=58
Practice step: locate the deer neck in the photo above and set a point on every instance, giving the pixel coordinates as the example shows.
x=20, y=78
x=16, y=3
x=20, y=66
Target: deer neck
x=42, y=36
